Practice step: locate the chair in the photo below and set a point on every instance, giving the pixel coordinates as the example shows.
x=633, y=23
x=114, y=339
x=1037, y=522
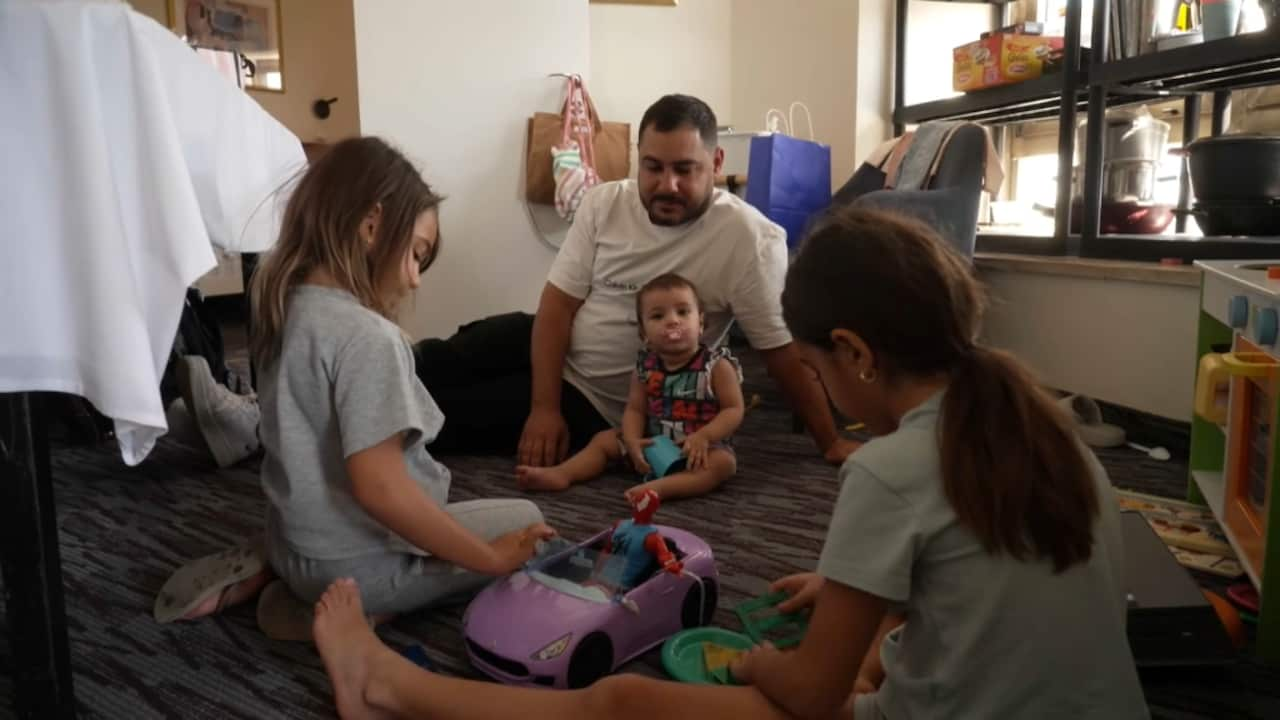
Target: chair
x=950, y=199
x=949, y=203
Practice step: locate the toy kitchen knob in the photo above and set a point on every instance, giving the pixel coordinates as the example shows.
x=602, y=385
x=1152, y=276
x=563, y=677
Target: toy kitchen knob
x=1265, y=328
x=1238, y=311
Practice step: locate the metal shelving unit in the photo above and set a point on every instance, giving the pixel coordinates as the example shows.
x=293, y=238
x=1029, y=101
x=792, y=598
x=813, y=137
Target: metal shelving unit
x=1216, y=67
x=1233, y=63
x=1219, y=66
x=1037, y=99
x=1060, y=95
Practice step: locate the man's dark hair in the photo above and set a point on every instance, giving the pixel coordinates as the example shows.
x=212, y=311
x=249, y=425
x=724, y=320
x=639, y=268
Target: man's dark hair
x=672, y=112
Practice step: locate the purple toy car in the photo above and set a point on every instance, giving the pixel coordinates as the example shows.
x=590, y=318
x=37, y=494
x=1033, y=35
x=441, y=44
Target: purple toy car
x=555, y=624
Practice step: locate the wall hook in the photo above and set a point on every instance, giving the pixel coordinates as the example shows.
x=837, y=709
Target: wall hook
x=320, y=108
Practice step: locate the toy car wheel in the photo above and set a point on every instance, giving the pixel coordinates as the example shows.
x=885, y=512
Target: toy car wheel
x=697, y=610
x=592, y=660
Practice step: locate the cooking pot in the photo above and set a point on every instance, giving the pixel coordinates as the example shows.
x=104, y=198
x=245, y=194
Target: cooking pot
x=1255, y=218
x=1235, y=169
x=1124, y=181
x=1132, y=146
x=1128, y=135
x=1125, y=217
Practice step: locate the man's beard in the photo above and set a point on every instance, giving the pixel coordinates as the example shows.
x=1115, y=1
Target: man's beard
x=688, y=216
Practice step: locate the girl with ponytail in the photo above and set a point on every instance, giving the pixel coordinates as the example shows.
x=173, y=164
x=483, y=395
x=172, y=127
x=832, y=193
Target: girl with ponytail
x=975, y=508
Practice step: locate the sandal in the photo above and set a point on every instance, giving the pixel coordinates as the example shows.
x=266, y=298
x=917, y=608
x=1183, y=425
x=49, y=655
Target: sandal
x=197, y=581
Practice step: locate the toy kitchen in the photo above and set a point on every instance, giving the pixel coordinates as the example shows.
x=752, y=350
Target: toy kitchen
x=1234, y=443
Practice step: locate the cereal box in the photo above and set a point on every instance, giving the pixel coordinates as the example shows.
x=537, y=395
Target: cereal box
x=1001, y=59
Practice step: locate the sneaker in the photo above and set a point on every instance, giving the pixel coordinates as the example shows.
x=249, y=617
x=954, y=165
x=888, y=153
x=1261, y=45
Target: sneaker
x=227, y=421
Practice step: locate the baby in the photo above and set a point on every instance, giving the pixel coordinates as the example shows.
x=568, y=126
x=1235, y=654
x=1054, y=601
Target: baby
x=680, y=389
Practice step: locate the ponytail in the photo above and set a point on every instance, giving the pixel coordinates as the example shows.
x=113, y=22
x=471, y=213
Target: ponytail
x=1012, y=466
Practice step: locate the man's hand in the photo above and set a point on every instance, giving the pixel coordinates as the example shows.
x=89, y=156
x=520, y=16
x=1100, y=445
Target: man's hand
x=545, y=440
x=808, y=399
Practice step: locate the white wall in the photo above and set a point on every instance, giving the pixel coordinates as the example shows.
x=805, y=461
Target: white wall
x=1125, y=342
x=640, y=53
x=873, y=91
x=934, y=30
x=453, y=87
x=808, y=51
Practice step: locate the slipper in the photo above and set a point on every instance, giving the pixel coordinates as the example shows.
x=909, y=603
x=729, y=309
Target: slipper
x=1088, y=421
x=282, y=616
x=197, y=581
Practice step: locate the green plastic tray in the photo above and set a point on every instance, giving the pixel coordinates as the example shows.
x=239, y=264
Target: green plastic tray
x=682, y=653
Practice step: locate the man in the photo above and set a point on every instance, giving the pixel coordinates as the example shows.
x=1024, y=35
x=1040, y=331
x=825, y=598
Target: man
x=544, y=385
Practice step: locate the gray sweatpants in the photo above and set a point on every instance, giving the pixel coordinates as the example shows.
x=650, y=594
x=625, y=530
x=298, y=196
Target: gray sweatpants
x=395, y=583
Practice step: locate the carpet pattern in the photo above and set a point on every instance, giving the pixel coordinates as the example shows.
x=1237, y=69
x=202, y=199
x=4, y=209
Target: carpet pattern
x=124, y=530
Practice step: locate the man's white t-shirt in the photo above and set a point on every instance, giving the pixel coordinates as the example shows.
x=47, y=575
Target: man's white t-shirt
x=734, y=256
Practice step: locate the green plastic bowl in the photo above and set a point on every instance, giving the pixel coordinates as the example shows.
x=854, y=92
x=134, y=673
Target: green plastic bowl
x=682, y=652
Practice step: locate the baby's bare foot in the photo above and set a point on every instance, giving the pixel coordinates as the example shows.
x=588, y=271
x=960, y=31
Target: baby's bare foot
x=541, y=478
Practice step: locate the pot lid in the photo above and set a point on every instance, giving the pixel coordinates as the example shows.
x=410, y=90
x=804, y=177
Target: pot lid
x=1241, y=138
x=1136, y=118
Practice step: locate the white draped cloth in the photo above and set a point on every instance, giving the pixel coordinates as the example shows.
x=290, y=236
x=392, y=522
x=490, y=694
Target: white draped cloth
x=124, y=157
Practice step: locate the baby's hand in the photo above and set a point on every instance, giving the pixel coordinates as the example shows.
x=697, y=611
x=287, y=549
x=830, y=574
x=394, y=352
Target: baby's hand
x=695, y=448
x=635, y=452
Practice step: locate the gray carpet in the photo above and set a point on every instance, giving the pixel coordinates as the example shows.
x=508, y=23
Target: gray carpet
x=123, y=530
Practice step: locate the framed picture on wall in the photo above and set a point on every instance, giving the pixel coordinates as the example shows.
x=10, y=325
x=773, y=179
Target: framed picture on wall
x=249, y=28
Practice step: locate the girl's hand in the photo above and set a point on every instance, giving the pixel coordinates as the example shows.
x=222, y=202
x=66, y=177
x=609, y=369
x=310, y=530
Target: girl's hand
x=864, y=685
x=803, y=589
x=746, y=668
x=515, y=548
x=695, y=448
x=635, y=452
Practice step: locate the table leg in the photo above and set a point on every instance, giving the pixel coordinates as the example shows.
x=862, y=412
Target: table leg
x=249, y=264
x=31, y=565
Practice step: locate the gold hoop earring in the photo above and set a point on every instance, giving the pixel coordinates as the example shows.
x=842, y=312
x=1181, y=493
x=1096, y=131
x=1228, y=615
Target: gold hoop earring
x=867, y=376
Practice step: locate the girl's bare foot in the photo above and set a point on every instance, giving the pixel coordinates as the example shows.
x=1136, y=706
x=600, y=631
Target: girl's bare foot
x=350, y=650
x=542, y=478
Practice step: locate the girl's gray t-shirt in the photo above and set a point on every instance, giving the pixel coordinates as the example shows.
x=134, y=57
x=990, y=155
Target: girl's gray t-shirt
x=345, y=381
x=986, y=636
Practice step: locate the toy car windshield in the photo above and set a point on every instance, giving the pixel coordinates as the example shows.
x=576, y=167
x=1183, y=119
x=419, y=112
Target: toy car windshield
x=585, y=573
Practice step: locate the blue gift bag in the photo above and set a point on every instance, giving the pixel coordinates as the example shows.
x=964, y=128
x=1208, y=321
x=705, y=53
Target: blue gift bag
x=789, y=180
